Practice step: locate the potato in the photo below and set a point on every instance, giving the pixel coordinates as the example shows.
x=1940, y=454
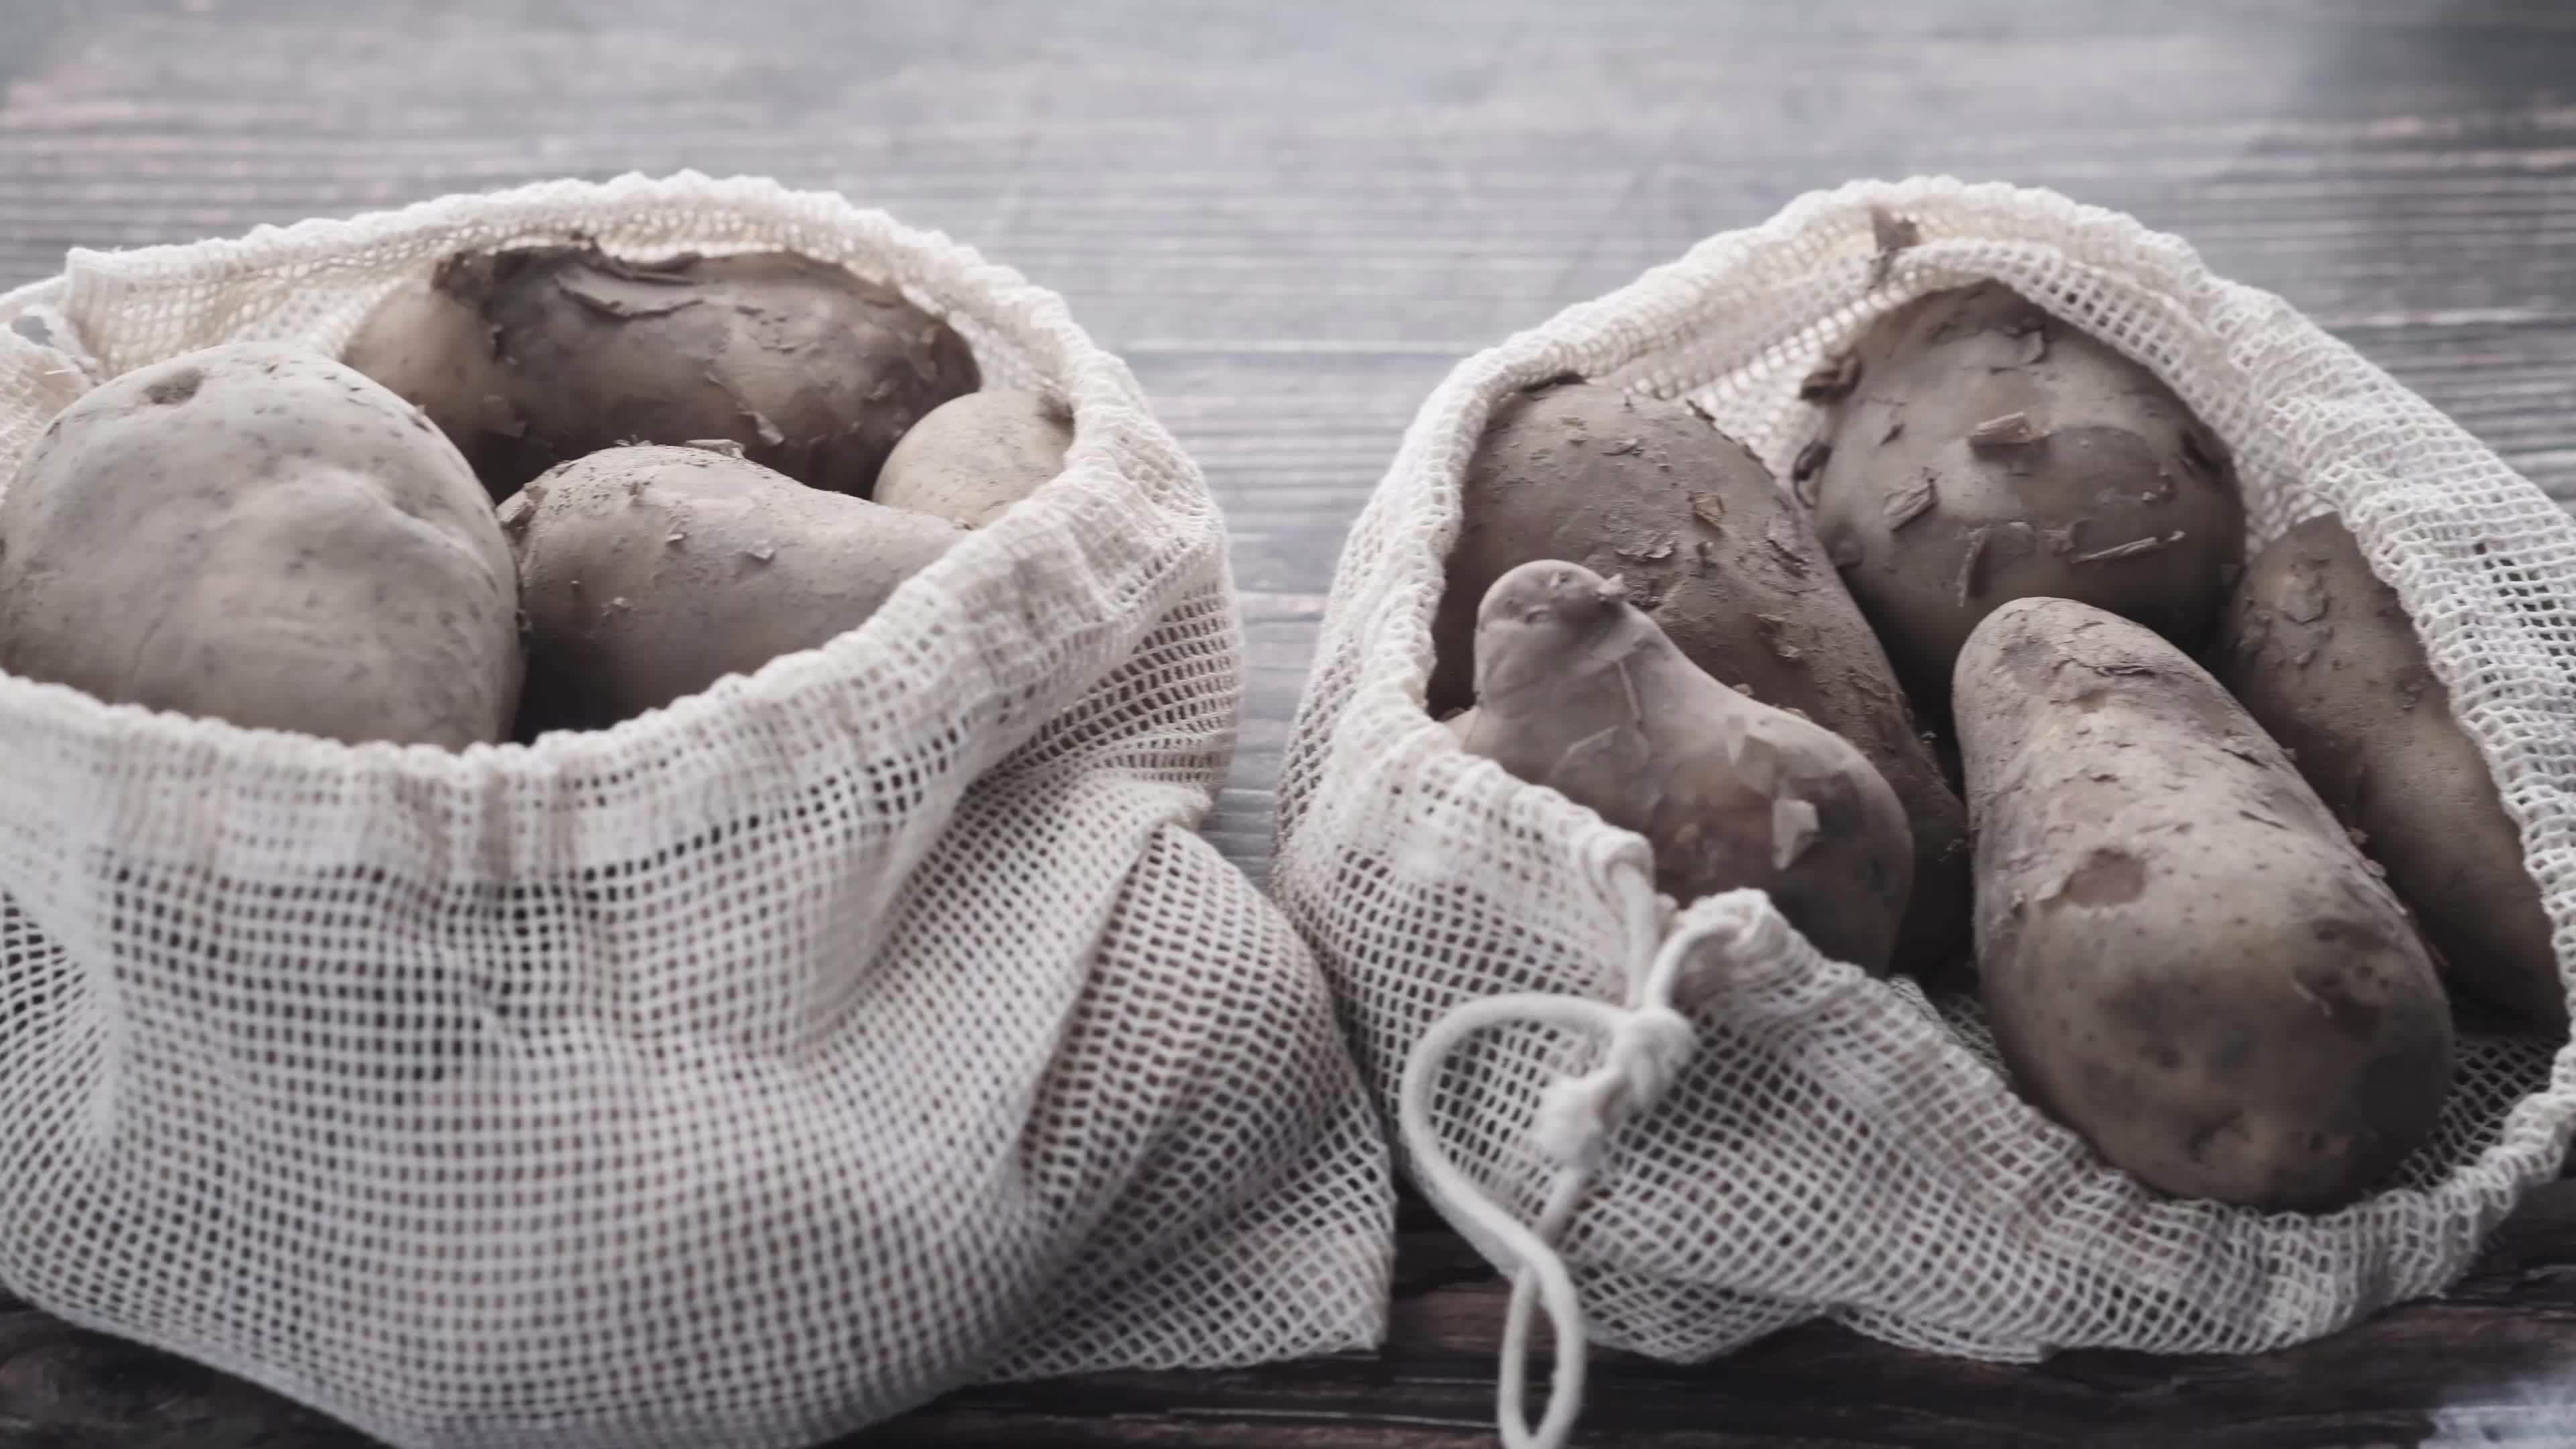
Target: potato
x=976, y=455
x=1977, y=450
x=814, y=371
x=256, y=533
x=651, y=572
x=1710, y=549
x=1578, y=690
x=2323, y=655
x=425, y=345
x=2184, y=957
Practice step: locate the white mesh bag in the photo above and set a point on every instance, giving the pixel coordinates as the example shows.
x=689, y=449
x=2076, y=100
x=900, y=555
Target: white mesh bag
x=1687, y=1129
x=739, y=1075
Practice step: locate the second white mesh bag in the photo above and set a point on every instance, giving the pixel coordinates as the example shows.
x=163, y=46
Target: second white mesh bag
x=739, y=1075
x=1687, y=1129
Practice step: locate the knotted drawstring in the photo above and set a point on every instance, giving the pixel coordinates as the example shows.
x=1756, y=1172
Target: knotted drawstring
x=1649, y=1044
x=1648, y=1048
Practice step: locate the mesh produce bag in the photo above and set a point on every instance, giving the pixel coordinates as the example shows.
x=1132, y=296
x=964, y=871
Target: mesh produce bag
x=1687, y=1129
x=749, y=1071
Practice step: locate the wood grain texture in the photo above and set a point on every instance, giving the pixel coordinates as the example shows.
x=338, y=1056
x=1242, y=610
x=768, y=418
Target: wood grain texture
x=2493, y=1363
x=1292, y=220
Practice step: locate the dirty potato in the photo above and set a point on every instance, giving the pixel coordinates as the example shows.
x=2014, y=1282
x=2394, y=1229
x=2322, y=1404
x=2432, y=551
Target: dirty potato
x=425, y=345
x=2183, y=956
x=651, y=572
x=813, y=370
x=1977, y=450
x=1720, y=560
x=1578, y=690
x=256, y=533
x=2323, y=655
x=976, y=455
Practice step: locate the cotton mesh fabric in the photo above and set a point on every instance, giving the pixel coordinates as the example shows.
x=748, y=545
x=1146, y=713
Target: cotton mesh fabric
x=1845, y=1148
x=740, y=1075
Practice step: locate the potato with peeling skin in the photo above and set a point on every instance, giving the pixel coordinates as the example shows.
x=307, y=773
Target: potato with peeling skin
x=256, y=533
x=813, y=370
x=976, y=455
x=2321, y=652
x=1579, y=691
x=648, y=573
x=2183, y=956
x=1977, y=450
x=1720, y=560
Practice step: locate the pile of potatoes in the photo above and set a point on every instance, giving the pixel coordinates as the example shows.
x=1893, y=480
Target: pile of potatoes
x=2211, y=907
x=542, y=489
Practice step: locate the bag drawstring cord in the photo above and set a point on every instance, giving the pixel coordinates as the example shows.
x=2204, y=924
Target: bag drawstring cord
x=1650, y=1042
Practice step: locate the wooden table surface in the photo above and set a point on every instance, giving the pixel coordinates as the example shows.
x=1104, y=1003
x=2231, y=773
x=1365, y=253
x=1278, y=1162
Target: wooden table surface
x=1291, y=219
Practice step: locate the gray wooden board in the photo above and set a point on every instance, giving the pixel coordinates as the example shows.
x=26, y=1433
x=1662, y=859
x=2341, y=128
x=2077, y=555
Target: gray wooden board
x=1291, y=219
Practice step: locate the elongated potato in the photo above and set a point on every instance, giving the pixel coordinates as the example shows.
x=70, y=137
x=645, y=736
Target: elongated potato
x=1578, y=690
x=651, y=572
x=2321, y=652
x=1977, y=450
x=1710, y=549
x=2184, y=957
x=256, y=533
x=539, y=355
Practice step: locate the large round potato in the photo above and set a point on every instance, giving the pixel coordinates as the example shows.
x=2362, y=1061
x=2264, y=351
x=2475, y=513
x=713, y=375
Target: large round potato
x=814, y=371
x=652, y=572
x=1713, y=552
x=2322, y=653
x=1977, y=450
x=2183, y=955
x=259, y=534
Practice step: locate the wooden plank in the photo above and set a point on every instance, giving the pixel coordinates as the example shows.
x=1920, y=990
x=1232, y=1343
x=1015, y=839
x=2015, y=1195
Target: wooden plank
x=2494, y=1362
x=2495, y=1358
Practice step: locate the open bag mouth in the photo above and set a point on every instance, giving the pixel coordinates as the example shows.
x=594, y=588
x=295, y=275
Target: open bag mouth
x=313, y=282
x=1757, y=1134
x=1115, y=543
x=746, y=1071
x=999, y=645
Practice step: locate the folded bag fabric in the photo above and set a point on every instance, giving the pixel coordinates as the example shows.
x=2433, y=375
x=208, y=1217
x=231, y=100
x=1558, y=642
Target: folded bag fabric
x=741, y=1074
x=1678, y=1124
